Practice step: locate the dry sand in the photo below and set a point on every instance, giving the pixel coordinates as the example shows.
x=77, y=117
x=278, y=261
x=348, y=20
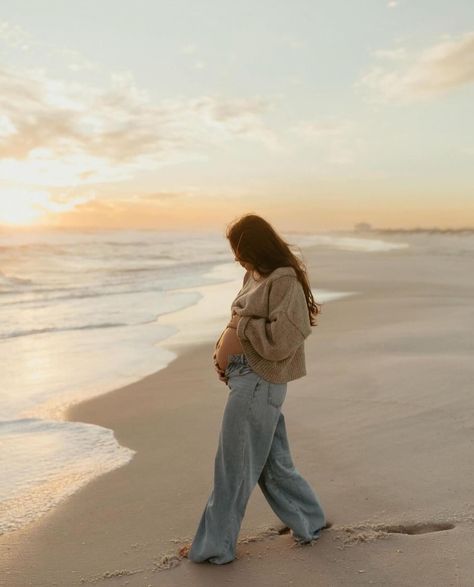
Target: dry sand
x=382, y=427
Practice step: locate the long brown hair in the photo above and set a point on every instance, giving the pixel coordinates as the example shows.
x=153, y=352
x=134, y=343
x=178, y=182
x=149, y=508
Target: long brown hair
x=255, y=241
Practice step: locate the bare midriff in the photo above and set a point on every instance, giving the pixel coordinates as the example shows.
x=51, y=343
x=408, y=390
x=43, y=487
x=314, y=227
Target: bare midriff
x=229, y=344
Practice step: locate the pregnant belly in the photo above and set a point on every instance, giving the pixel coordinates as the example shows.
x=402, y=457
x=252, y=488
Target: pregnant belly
x=229, y=344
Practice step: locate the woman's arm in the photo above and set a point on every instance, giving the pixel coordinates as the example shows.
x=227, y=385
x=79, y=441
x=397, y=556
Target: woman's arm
x=287, y=326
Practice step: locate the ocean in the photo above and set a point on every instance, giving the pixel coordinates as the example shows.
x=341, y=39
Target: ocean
x=86, y=311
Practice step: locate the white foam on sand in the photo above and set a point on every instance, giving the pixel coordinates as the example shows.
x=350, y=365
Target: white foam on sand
x=45, y=461
x=348, y=242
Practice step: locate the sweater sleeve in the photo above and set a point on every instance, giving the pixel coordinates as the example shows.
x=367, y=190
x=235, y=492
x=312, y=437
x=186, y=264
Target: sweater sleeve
x=277, y=337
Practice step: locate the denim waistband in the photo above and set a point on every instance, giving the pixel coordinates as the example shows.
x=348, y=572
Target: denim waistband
x=239, y=358
x=238, y=365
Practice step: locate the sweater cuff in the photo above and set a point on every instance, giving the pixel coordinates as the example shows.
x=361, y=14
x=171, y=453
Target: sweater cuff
x=241, y=327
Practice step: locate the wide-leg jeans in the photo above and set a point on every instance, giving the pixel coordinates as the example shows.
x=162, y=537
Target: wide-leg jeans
x=253, y=447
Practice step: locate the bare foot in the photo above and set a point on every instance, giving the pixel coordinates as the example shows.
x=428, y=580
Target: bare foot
x=183, y=551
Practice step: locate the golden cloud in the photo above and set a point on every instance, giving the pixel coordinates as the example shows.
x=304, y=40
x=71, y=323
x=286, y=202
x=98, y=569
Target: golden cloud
x=444, y=67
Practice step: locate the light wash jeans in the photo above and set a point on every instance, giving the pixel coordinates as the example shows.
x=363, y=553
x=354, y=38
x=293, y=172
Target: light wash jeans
x=253, y=447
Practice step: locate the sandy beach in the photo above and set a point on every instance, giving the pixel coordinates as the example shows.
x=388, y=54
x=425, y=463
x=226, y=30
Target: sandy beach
x=381, y=426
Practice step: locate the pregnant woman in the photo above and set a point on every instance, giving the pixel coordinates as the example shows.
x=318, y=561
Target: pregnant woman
x=258, y=353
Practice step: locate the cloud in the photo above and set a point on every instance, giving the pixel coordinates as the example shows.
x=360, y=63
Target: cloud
x=76, y=61
x=392, y=3
x=323, y=129
x=336, y=141
x=396, y=54
x=442, y=68
x=54, y=132
x=242, y=117
x=159, y=196
x=64, y=144
x=14, y=36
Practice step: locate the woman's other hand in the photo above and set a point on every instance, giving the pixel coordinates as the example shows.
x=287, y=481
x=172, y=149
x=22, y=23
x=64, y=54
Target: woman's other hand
x=234, y=321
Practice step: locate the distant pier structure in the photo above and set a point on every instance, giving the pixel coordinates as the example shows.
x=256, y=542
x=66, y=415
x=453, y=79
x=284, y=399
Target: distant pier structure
x=362, y=227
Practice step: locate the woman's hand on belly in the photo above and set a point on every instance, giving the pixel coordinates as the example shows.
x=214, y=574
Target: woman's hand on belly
x=220, y=372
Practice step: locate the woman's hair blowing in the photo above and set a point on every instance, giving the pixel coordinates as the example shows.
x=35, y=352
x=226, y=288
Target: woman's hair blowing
x=254, y=240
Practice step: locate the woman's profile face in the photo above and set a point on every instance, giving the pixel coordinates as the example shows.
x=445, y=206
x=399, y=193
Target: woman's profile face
x=244, y=264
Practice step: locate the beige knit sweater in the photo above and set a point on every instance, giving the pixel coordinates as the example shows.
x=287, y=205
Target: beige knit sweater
x=274, y=324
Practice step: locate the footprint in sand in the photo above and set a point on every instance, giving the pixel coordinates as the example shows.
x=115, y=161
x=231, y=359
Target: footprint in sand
x=370, y=532
x=417, y=528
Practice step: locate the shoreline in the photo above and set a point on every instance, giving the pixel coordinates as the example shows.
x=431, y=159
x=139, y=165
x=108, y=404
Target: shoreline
x=390, y=361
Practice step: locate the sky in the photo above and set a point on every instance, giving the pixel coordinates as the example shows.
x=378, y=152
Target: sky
x=185, y=114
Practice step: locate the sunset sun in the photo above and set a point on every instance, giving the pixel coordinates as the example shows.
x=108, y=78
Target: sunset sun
x=22, y=207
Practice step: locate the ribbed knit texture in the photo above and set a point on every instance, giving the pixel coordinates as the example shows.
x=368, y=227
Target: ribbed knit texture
x=274, y=324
